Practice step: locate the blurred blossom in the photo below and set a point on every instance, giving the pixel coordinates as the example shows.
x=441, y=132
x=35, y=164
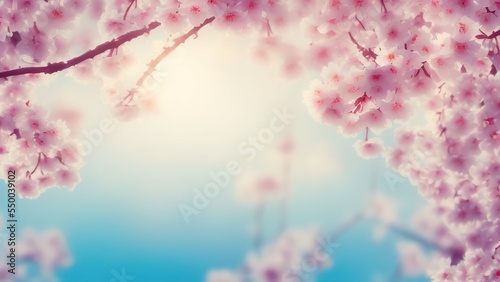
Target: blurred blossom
x=413, y=259
x=294, y=256
x=382, y=208
x=253, y=188
x=46, y=250
x=317, y=164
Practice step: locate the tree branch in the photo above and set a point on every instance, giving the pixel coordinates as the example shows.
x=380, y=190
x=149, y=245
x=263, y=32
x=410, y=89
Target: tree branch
x=56, y=67
x=485, y=36
x=178, y=41
x=166, y=51
x=128, y=8
x=367, y=53
x=384, y=7
x=455, y=254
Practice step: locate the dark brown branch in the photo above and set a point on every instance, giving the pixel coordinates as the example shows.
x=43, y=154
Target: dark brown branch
x=56, y=67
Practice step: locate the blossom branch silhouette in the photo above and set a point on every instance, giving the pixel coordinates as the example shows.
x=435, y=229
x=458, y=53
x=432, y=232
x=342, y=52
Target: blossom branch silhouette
x=102, y=48
x=110, y=46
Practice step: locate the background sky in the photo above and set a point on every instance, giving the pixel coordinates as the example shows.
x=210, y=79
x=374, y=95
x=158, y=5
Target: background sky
x=124, y=214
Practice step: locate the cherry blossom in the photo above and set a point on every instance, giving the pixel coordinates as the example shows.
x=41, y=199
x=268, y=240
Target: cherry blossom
x=370, y=148
x=376, y=65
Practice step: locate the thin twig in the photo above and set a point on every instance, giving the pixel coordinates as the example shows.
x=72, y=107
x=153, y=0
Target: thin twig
x=178, y=41
x=485, y=36
x=166, y=51
x=384, y=7
x=37, y=164
x=362, y=25
x=128, y=8
x=366, y=52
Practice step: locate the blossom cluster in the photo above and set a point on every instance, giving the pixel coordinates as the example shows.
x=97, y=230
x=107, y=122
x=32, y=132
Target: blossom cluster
x=35, y=144
x=401, y=61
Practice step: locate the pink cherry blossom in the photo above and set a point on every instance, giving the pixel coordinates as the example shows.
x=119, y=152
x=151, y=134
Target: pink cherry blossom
x=374, y=64
x=369, y=149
